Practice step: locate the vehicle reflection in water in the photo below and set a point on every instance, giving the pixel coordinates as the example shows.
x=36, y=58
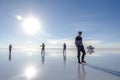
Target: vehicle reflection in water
x=81, y=72
x=90, y=51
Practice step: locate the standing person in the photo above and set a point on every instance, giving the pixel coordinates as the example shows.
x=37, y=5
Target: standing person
x=64, y=48
x=43, y=48
x=10, y=48
x=80, y=48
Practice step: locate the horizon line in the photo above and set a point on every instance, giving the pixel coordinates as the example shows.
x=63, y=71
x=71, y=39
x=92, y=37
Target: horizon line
x=62, y=48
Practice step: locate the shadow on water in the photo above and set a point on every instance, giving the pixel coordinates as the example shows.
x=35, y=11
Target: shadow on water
x=116, y=73
x=81, y=72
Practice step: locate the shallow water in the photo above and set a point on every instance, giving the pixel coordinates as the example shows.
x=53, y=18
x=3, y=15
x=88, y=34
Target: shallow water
x=30, y=64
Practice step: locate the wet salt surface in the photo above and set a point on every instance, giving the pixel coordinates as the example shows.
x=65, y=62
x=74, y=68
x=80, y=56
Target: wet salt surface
x=54, y=65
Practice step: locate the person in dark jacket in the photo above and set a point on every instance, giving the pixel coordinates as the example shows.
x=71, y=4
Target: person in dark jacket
x=43, y=48
x=80, y=48
x=64, y=48
x=10, y=48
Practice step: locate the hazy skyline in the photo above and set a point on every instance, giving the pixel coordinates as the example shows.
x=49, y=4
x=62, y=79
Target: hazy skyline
x=60, y=20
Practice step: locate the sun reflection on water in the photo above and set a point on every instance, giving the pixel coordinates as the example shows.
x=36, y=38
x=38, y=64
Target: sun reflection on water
x=30, y=72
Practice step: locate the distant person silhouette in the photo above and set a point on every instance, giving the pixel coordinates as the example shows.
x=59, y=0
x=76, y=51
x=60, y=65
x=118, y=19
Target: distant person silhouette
x=80, y=48
x=43, y=48
x=10, y=48
x=64, y=48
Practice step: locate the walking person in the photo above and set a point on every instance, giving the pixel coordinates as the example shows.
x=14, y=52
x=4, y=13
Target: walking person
x=80, y=48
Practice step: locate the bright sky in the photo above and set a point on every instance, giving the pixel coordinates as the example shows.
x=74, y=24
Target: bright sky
x=60, y=20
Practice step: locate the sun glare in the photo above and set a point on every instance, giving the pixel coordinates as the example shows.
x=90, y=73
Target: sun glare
x=30, y=72
x=31, y=25
x=19, y=17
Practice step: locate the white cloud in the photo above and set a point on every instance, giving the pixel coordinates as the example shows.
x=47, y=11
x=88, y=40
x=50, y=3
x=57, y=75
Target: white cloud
x=60, y=42
x=92, y=42
x=11, y=41
x=29, y=42
x=43, y=33
x=56, y=41
x=71, y=44
x=109, y=45
x=101, y=44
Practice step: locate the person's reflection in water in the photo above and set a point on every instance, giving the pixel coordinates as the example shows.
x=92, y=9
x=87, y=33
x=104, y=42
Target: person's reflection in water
x=64, y=58
x=81, y=72
x=9, y=56
x=43, y=58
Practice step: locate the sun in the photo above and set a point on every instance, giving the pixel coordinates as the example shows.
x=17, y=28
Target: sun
x=31, y=25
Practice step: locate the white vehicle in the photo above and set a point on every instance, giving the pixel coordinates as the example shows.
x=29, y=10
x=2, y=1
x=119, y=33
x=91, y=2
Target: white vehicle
x=90, y=49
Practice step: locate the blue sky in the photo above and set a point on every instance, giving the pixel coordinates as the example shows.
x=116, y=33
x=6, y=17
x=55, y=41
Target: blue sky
x=60, y=21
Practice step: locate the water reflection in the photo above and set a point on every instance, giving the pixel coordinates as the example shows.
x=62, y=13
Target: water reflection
x=81, y=72
x=90, y=51
x=64, y=58
x=9, y=57
x=29, y=53
x=54, y=54
x=30, y=72
x=43, y=57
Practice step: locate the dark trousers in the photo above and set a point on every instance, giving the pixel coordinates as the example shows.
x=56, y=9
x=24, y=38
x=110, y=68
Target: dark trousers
x=79, y=50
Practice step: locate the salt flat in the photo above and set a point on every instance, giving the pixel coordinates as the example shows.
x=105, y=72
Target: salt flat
x=30, y=64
